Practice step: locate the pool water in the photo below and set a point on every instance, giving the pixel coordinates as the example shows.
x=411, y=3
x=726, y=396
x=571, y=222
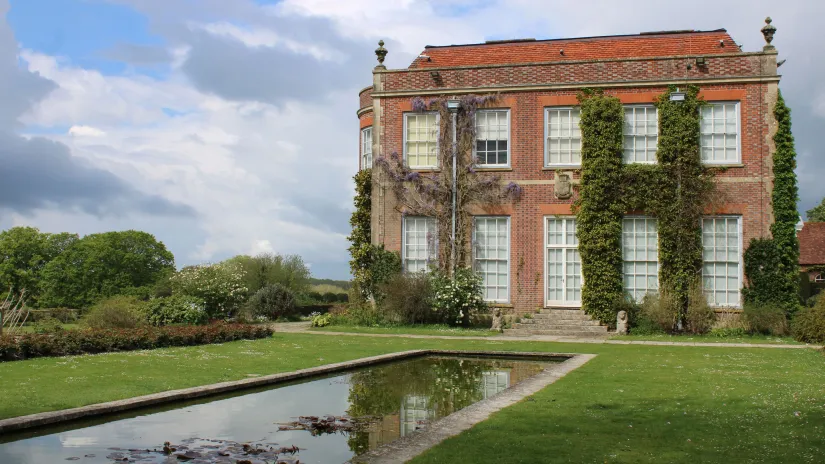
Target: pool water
x=320, y=420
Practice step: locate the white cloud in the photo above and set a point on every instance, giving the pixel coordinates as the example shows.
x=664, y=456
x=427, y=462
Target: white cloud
x=261, y=37
x=277, y=178
x=86, y=131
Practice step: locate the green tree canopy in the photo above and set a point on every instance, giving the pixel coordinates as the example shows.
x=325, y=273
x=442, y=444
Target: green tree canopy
x=817, y=213
x=24, y=253
x=102, y=265
x=266, y=269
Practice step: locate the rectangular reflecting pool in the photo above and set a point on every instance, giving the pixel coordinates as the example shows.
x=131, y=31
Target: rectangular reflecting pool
x=318, y=420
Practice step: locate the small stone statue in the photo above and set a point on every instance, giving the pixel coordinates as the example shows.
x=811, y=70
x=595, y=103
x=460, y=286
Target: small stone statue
x=621, y=323
x=496, y=320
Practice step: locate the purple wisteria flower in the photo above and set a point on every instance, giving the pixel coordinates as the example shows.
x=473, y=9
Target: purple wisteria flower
x=412, y=176
x=418, y=105
x=513, y=189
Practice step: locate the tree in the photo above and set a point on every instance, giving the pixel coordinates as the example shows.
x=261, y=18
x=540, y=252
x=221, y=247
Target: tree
x=103, y=265
x=817, y=213
x=266, y=269
x=785, y=197
x=220, y=286
x=24, y=253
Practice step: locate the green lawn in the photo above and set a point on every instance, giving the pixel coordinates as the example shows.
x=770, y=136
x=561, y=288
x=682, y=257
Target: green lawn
x=747, y=339
x=632, y=403
x=433, y=329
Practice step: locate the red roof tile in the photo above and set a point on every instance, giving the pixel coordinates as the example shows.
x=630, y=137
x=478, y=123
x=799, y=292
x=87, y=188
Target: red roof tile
x=644, y=45
x=812, y=243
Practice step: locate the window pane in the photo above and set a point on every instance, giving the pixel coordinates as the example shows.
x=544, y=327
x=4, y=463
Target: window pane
x=719, y=133
x=722, y=260
x=640, y=134
x=640, y=252
x=492, y=132
x=492, y=260
x=419, y=247
x=563, y=136
x=421, y=140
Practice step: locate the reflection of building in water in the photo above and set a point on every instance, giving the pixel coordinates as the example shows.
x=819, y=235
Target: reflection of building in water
x=416, y=409
x=384, y=431
x=494, y=382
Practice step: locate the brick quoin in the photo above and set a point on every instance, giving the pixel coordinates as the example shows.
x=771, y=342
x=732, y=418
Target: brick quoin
x=529, y=76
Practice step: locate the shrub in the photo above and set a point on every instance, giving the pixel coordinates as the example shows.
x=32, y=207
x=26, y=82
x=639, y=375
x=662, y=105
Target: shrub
x=700, y=316
x=220, y=286
x=321, y=320
x=725, y=332
x=408, y=299
x=809, y=323
x=89, y=341
x=383, y=266
x=766, y=319
x=272, y=302
x=361, y=312
x=658, y=312
x=47, y=325
x=455, y=299
x=768, y=282
x=118, y=312
x=176, y=309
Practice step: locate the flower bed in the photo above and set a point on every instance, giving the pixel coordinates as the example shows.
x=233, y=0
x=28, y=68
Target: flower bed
x=90, y=341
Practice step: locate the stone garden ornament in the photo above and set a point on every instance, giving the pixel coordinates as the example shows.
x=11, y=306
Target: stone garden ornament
x=621, y=323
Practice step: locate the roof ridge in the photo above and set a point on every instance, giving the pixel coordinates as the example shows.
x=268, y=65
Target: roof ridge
x=595, y=37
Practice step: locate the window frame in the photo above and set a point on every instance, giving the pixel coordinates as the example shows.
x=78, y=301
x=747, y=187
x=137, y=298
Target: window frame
x=738, y=105
x=658, y=132
x=658, y=262
x=509, y=139
x=405, y=115
x=431, y=254
x=819, y=278
x=560, y=303
x=509, y=253
x=546, y=121
x=741, y=261
x=364, y=147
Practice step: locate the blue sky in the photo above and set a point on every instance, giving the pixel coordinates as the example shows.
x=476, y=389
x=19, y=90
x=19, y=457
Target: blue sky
x=228, y=127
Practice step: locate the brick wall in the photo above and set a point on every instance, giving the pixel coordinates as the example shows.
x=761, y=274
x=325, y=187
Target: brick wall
x=743, y=189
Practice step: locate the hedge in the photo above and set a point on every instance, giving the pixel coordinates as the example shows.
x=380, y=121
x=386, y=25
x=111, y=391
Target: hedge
x=91, y=341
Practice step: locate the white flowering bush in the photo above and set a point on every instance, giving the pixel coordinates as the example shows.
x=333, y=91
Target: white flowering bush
x=457, y=298
x=220, y=286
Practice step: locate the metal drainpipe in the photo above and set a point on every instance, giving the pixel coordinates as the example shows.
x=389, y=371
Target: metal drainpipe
x=455, y=149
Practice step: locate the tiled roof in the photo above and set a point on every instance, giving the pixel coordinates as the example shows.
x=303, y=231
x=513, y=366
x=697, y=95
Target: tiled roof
x=812, y=243
x=676, y=43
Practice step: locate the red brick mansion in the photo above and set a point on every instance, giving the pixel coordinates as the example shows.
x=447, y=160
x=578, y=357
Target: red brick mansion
x=530, y=135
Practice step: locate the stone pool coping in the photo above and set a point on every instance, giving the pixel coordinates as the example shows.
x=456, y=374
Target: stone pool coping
x=406, y=448
x=67, y=415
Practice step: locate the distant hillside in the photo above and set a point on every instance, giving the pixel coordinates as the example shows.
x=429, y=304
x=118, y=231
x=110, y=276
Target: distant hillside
x=342, y=284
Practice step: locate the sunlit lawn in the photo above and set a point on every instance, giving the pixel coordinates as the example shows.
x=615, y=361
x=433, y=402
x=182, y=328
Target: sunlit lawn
x=632, y=403
x=749, y=339
x=423, y=329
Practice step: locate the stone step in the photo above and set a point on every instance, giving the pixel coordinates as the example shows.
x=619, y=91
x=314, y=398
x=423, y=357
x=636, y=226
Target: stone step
x=562, y=314
x=562, y=317
x=571, y=322
x=553, y=333
x=561, y=328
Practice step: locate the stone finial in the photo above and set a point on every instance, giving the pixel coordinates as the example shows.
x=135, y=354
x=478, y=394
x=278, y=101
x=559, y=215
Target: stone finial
x=768, y=31
x=381, y=53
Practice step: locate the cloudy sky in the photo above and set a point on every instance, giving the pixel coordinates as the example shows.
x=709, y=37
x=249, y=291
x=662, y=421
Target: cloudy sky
x=228, y=126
